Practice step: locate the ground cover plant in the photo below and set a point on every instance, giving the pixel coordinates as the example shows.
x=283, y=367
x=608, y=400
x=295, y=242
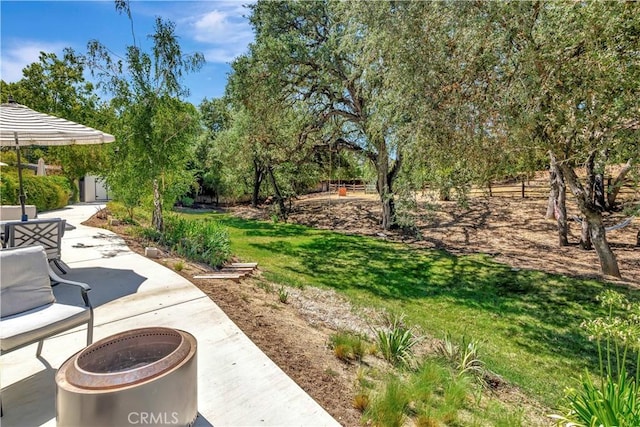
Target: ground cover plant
x=528, y=322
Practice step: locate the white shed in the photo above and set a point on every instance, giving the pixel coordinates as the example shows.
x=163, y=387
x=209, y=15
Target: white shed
x=93, y=189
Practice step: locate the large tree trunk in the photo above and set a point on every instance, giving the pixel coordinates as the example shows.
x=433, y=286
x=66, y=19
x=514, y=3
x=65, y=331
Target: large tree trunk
x=560, y=203
x=386, y=198
x=608, y=262
x=553, y=194
x=279, y=199
x=156, y=218
x=386, y=177
x=258, y=176
x=585, y=236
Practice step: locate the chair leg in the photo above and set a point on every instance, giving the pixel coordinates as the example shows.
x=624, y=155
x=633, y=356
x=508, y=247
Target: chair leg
x=39, y=350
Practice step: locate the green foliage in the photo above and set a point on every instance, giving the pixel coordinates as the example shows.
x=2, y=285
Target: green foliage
x=463, y=357
x=156, y=127
x=389, y=407
x=283, y=295
x=347, y=346
x=432, y=395
x=46, y=192
x=396, y=341
x=187, y=201
x=205, y=241
x=202, y=241
x=616, y=400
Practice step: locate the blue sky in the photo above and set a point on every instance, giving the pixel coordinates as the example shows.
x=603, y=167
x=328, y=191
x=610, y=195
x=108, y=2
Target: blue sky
x=218, y=29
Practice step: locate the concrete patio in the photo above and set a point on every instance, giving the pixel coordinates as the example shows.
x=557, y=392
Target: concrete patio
x=238, y=385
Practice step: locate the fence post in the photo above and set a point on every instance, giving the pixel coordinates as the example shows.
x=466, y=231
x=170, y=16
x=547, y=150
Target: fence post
x=523, y=187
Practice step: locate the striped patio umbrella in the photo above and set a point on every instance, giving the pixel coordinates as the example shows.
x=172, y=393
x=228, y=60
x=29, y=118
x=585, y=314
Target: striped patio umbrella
x=21, y=126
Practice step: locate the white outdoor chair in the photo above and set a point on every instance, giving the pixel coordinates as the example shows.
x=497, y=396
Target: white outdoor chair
x=29, y=311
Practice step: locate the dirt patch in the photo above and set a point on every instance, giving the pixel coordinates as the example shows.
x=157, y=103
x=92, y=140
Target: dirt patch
x=295, y=335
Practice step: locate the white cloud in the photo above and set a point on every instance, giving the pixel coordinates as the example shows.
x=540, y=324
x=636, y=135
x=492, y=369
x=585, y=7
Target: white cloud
x=17, y=54
x=223, y=31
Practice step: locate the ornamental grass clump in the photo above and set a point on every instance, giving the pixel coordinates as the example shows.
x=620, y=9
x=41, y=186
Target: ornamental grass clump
x=613, y=400
x=396, y=342
x=463, y=357
x=347, y=346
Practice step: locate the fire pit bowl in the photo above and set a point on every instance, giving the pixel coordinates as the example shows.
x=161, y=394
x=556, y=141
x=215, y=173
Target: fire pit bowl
x=143, y=376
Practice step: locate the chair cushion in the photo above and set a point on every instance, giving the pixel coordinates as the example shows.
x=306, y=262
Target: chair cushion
x=24, y=280
x=39, y=323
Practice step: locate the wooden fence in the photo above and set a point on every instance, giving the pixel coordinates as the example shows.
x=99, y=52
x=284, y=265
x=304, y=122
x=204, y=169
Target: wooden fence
x=522, y=189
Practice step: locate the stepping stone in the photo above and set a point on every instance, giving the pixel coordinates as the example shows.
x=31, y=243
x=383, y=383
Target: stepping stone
x=240, y=273
x=220, y=276
x=244, y=264
x=238, y=269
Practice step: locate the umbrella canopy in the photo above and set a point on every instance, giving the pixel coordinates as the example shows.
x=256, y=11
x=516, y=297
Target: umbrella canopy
x=22, y=126
x=35, y=128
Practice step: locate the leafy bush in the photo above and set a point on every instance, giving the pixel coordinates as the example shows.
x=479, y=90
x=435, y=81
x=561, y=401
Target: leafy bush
x=45, y=192
x=205, y=241
x=396, y=341
x=615, y=401
x=187, y=201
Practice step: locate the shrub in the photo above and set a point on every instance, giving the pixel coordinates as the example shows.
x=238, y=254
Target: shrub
x=205, y=241
x=187, y=201
x=613, y=402
x=45, y=192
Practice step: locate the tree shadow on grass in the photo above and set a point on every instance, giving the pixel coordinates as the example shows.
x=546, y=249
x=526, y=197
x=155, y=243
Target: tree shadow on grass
x=543, y=311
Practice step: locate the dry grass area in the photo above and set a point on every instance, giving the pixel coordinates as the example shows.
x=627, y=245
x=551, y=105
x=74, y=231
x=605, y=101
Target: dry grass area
x=295, y=334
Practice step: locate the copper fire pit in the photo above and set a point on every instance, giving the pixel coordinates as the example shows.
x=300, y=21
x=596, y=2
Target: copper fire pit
x=143, y=376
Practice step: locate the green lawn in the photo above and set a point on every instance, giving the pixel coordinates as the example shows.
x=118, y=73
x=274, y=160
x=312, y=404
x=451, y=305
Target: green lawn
x=528, y=321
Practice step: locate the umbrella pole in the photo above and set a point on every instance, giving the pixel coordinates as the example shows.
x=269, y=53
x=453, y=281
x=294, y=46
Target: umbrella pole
x=21, y=196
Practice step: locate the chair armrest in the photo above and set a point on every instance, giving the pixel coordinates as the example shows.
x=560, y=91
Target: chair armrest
x=84, y=288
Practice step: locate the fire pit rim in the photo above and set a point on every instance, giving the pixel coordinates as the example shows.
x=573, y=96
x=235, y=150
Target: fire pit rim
x=76, y=376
